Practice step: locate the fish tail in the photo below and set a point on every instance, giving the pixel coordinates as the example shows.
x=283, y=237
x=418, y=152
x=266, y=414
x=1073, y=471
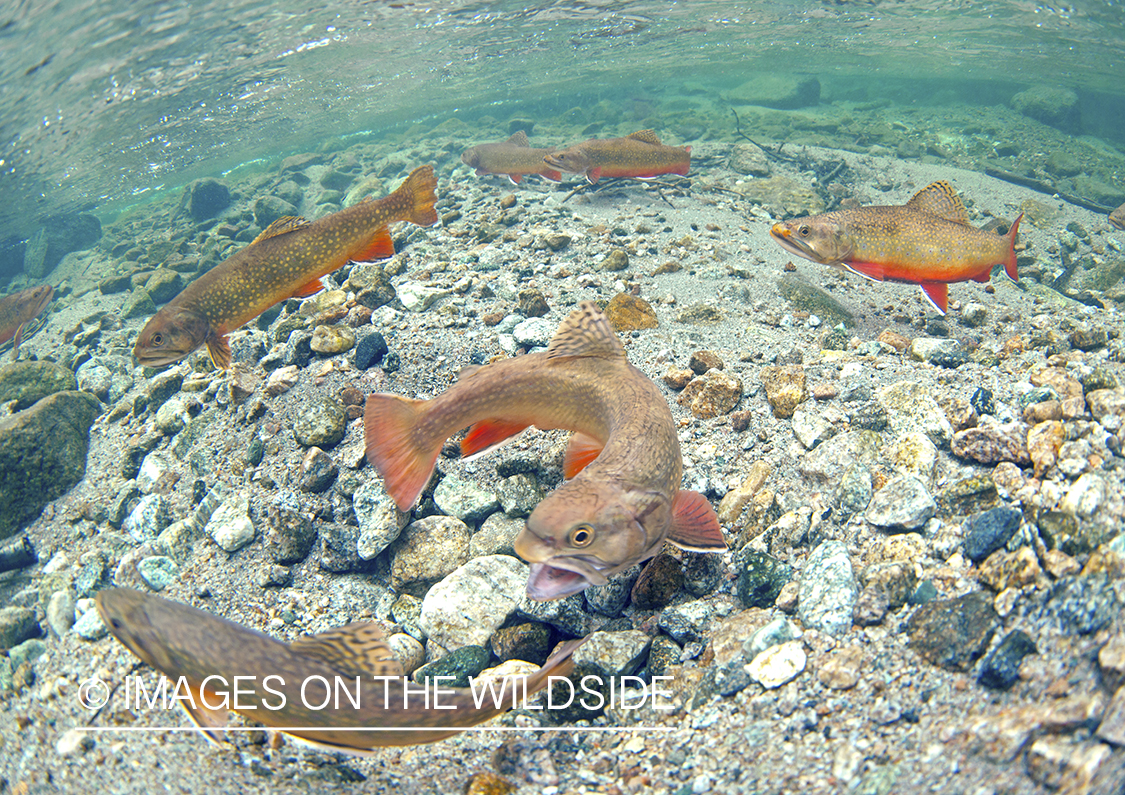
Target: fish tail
x=1010, y=263
x=420, y=187
x=393, y=448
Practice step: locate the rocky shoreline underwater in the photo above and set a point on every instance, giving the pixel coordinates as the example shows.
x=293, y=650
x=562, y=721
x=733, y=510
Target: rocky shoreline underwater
x=926, y=570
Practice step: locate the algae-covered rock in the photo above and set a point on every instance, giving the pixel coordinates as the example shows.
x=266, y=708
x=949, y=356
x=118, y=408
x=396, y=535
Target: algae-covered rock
x=28, y=382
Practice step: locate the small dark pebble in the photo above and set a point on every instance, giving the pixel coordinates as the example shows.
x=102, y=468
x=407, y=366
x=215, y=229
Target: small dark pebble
x=370, y=350
x=925, y=592
x=1001, y=669
x=953, y=633
x=982, y=402
x=461, y=664
x=658, y=584
x=760, y=578
x=989, y=531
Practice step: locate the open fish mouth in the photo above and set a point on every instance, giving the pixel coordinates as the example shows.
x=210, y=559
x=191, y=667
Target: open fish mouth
x=558, y=581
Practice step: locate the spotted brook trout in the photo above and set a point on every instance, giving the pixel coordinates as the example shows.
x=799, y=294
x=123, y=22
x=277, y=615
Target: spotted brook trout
x=928, y=241
x=297, y=688
x=286, y=260
x=623, y=500
x=513, y=158
x=19, y=309
x=639, y=155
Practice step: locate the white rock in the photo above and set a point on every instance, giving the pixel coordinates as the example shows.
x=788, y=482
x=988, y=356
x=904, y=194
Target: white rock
x=778, y=664
x=74, y=741
x=471, y=603
x=230, y=525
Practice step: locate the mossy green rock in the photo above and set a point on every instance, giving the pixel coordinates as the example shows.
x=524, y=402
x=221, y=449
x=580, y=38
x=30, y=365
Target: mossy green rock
x=29, y=382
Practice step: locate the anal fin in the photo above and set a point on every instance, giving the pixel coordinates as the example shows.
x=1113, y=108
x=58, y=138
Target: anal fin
x=937, y=293
x=380, y=247
x=487, y=435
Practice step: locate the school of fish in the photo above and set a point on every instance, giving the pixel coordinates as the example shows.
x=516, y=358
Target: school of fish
x=280, y=683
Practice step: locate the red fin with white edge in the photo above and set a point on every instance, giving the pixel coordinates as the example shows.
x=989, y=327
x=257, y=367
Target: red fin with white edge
x=937, y=293
x=580, y=451
x=219, y=350
x=515, y=179
x=487, y=435
x=1010, y=263
x=309, y=288
x=388, y=428
x=695, y=526
x=381, y=247
x=593, y=175
x=868, y=270
x=551, y=175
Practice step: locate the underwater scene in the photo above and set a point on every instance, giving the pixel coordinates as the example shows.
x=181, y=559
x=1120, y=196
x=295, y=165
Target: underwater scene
x=590, y=396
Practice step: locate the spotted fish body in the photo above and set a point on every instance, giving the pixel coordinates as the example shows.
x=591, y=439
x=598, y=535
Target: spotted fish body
x=514, y=158
x=19, y=309
x=181, y=641
x=623, y=500
x=639, y=155
x=928, y=241
x=286, y=260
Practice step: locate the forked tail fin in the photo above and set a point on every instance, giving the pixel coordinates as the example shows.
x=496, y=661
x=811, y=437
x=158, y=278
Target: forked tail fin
x=388, y=425
x=420, y=185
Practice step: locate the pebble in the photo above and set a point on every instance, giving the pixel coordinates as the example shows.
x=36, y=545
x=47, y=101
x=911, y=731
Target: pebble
x=148, y=519
x=1001, y=669
x=496, y=536
x=529, y=641
x=339, y=547
x=535, y=332
x=828, y=589
x=17, y=624
x=471, y=603
x=90, y=626
x=464, y=499
x=627, y=312
x=711, y=395
x=785, y=389
x=610, y=599
x=760, y=577
x=74, y=741
x=230, y=525
x=910, y=407
x=778, y=665
x=322, y=423
x=289, y=536
x=1082, y=604
x=370, y=350
x=614, y=653
x=841, y=670
x=282, y=380
x=408, y=651
x=158, y=571
x=953, y=633
x=426, y=551
x=461, y=665
x=989, y=531
x=318, y=470
x=903, y=504
x=60, y=612
x=659, y=582
x=778, y=631
x=380, y=521
x=992, y=443
x=331, y=340
x=811, y=428
x=519, y=494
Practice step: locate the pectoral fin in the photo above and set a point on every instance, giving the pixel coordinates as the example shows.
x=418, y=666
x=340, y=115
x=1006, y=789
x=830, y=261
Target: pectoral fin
x=218, y=348
x=580, y=451
x=515, y=178
x=937, y=293
x=594, y=174
x=695, y=526
x=212, y=722
x=868, y=270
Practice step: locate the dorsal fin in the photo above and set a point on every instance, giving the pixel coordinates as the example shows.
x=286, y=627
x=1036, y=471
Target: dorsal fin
x=519, y=138
x=357, y=649
x=286, y=223
x=648, y=136
x=940, y=199
x=585, y=332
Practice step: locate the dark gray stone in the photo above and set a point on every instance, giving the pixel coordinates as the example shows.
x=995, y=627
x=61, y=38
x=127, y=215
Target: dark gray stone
x=466, y=662
x=1001, y=669
x=1083, y=604
x=760, y=578
x=989, y=531
x=208, y=198
x=953, y=633
x=28, y=382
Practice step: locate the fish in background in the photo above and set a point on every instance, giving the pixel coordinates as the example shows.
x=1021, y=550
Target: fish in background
x=1117, y=217
x=639, y=155
x=623, y=498
x=928, y=241
x=513, y=158
x=190, y=645
x=286, y=260
x=19, y=309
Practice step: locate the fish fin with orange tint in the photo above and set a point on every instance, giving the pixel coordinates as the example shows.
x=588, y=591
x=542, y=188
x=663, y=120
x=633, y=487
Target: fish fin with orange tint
x=1010, y=266
x=388, y=425
x=309, y=288
x=645, y=136
x=18, y=339
x=593, y=175
x=868, y=270
x=585, y=332
x=695, y=527
x=282, y=226
x=580, y=451
x=940, y=199
x=937, y=293
x=551, y=175
x=487, y=435
x=356, y=649
x=420, y=187
x=211, y=722
x=515, y=179
x=218, y=348
x=519, y=138
x=380, y=247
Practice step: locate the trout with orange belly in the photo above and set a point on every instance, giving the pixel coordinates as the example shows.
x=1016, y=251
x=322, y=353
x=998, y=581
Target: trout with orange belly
x=514, y=158
x=19, y=309
x=928, y=241
x=639, y=155
x=623, y=500
x=297, y=688
x=286, y=260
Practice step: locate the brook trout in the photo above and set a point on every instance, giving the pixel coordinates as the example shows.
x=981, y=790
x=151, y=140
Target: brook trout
x=1117, y=217
x=19, y=309
x=928, y=241
x=513, y=157
x=279, y=684
x=615, y=512
x=639, y=155
x=286, y=260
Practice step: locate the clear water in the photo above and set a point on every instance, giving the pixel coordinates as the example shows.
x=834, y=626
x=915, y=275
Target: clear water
x=104, y=102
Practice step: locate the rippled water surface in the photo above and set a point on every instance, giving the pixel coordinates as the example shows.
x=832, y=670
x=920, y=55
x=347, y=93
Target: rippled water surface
x=104, y=102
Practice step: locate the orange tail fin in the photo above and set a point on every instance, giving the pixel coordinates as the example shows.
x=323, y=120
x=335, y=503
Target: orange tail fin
x=420, y=185
x=388, y=422
x=1010, y=264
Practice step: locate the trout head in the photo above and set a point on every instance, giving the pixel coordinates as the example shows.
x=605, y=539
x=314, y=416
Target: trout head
x=471, y=157
x=125, y=614
x=37, y=298
x=172, y=334
x=585, y=532
x=820, y=238
x=574, y=160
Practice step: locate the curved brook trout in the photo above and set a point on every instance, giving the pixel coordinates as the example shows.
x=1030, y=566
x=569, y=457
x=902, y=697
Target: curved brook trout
x=19, y=309
x=298, y=688
x=615, y=512
x=286, y=260
x=514, y=158
x=639, y=155
x=928, y=241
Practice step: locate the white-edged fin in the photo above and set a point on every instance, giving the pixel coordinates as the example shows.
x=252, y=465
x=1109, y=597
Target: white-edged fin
x=937, y=293
x=586, y=332
x=695, y=527
x=868, y=270
x=357, y=649
x=211, y=722
x=940, y=199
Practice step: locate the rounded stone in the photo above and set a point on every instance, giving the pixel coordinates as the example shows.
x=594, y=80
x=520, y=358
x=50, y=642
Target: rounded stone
x=530, y=641
x=903, y=503
x=380, y=521
x=1001, y=669
x=778, y=665
x=330, y=340
x=426, y=551
x=370, y=351
x=322, y=423
x=828, y=589
x=473, y=601
x=989, y=531
x=158, y=571
x=658, y=583
x=230, y=525
x=289, y=536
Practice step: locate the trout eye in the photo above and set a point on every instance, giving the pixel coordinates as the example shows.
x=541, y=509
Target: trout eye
x=581, y=535
x=158, y=339
x=803, y=230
